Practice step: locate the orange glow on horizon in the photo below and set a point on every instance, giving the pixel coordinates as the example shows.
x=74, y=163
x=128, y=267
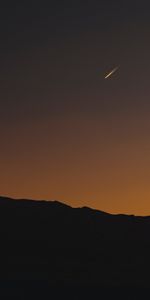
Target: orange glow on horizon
x=109, y=172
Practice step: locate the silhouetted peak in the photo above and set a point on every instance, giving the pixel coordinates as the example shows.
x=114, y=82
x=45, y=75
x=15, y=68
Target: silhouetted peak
x=57, y=205
x=33, y=203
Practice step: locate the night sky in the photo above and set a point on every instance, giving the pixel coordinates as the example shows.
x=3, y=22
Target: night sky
x=66, y=132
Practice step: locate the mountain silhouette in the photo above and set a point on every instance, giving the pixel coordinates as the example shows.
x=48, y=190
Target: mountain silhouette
x=64, y=246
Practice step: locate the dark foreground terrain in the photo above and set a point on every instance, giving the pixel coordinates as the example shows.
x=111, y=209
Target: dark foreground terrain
x=49, y=250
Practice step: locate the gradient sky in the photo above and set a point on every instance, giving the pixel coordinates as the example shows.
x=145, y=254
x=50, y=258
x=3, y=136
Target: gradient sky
x=66, y=132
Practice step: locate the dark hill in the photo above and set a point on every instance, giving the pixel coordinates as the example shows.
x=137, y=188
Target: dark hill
x=51, y=241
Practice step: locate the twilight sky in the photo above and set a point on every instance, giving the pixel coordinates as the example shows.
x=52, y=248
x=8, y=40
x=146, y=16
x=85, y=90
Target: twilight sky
x=66, y=132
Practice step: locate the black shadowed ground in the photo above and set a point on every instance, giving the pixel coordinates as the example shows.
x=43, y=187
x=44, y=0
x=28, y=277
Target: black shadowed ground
x=51, y=245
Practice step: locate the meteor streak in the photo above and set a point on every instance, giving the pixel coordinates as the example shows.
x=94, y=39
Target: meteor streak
x=112, y=72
